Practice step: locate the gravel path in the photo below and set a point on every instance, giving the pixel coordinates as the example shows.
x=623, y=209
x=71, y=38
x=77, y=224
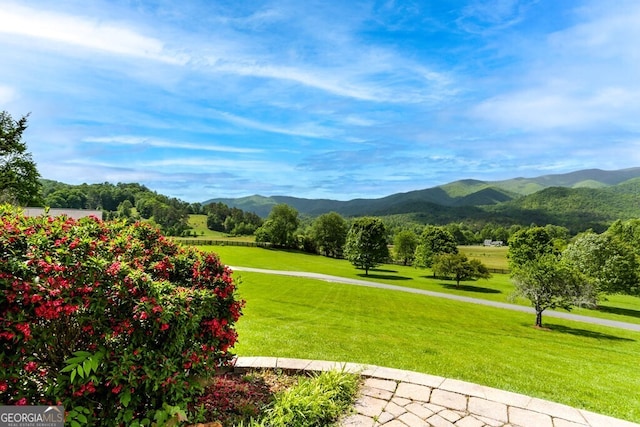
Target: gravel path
x=371, y=284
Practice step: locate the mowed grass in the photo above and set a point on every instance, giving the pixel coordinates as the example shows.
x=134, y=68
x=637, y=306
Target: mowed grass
x=581, y=365
x=198, y=225
x=498, y=288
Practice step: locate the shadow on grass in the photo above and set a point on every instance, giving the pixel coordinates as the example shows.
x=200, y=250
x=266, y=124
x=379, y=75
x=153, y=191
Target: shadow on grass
x=617, y=310
x=383, y=276
x=584, y=332
x=382, y=270
x=470, y=288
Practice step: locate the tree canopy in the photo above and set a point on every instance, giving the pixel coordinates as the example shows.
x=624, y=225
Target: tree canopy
x=329, y=233
x=280, y=227
x=528, y=244
x=404, y=246
x=434, y=241
x=366, y=245
x=459, y=267
x=19, y=176
x=605, y=260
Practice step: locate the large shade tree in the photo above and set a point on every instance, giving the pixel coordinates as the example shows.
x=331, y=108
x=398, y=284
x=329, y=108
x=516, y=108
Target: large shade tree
x=432, y=242
x=605, y=260
x=366, y=245
x=529, y=244
x=550, y=283
x=329, y=233
x=19, y=177
x=280, y=227
x=404, y=246
x=459, y=267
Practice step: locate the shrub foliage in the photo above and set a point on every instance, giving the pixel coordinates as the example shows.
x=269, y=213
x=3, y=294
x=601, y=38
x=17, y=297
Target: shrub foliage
x=113, y=321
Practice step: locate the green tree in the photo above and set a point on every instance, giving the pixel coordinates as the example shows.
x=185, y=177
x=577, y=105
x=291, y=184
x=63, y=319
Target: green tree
x=19, y=177
x=628, y=232
x=404, y=246
x=434, y=241
x=329, y=233
x=550, y=283
x=280, y=227
x=459, y=267
x=605, y=260
x=529, y=244
x=366, y=245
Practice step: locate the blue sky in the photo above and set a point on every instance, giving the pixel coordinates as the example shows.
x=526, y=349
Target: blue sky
x=321, y=99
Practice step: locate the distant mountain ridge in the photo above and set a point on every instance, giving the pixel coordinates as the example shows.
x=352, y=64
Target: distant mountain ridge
x=481, y=200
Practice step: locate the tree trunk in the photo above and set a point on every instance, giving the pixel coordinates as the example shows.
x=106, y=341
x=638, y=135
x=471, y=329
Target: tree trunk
x=539, y=319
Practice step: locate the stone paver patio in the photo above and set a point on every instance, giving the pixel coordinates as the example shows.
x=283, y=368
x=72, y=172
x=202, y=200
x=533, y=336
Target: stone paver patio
x=397, y=398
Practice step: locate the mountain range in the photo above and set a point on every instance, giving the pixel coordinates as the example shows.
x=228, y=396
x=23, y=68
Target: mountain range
x=590, y=198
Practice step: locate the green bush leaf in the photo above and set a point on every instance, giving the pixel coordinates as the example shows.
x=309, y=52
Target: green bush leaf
x=125, y=398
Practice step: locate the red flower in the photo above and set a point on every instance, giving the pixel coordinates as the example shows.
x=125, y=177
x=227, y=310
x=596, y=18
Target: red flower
x=116, y=389
x=22, y=402
x=7, y=335
x=3, y=386
x=30, y=366
x=164, y=327
x=24, y=329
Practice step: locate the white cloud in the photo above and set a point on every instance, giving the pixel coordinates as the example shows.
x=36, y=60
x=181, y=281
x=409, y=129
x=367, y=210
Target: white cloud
x=309, y=130
x=85, y=32
x=153, y=142
x=7, y=94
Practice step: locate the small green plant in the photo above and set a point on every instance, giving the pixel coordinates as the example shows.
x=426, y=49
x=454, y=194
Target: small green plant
x=314, y=401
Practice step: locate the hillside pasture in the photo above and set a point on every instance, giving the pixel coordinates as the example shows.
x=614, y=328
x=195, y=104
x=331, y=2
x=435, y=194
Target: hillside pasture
x=494, y=257
x=622, y=308
x=577, y=364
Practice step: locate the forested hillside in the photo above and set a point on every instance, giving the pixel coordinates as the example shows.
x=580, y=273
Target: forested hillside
x=579, y=200
x=130, y=201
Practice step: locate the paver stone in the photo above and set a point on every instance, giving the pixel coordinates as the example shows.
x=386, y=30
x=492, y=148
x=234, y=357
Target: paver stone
x=413, y=392
x=489, y=409
x=526, y=418
x=449, y=399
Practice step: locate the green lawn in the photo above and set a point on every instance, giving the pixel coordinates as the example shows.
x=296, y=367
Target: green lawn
x=499, y=288
x=582, y=365
x=198, y=224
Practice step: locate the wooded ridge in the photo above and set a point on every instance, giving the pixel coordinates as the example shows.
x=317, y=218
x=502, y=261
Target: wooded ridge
x=578, y=200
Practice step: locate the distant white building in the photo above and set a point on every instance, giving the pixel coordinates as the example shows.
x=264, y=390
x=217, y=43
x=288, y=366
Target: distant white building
x=71, y=213
x=489, y=242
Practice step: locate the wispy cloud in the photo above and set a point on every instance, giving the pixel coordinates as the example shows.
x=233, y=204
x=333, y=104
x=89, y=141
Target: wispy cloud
x=481, y=17
x=153, y=142
x=86, y=32
x=309, y=130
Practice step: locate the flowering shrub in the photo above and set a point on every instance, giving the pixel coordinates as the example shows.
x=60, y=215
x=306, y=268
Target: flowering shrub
x=113, y=321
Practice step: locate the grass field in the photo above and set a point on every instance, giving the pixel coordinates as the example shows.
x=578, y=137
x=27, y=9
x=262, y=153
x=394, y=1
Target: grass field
x=585, y=366
x=498, y=288
x=198, y=224
x=578, y=364
x=491, y=256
